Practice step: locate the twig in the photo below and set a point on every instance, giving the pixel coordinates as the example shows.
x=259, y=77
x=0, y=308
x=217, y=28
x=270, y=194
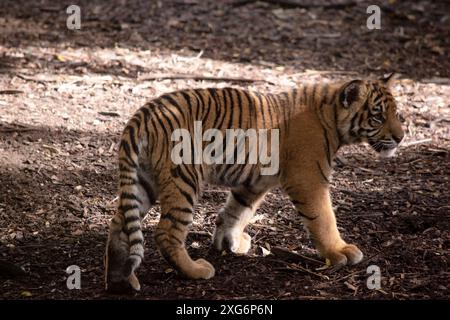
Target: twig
x=10, y=91
x=347, y=276
x=282, y=252
x=108, y=114
x=413, y=143
x=198, y=77
x=295, y=267
x=26, y=78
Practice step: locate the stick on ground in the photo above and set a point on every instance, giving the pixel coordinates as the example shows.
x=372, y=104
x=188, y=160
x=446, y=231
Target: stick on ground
x=286, y=254
x=198, y=77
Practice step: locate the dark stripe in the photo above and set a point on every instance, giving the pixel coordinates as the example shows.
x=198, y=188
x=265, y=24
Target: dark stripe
x=124, y=169
x=126, y=147
x=231, y=107
x=187, y=196
x=174, y=117
x=193, y=175
x=313, y=94
x=225, y=107
x=132, y=230
x=177, y=172
x=327, y=146
x=322, y=174
x=133, y=140
x=127, y=207
x=125, y=178
x=335, y=111
x=161, y=124
x=168, y=119
x=197, y=110
x=171, y=238
x=136, y=241
x=213, y=93
x=239, y=107
x=305, y=216
x=298, y=203
x=174, y=219
x=173, y=102
x=323, y=95
x=161, y=154
x=261, y=98
x=160, y=234
x=124, y=183
x=208, y=109
x=148, y=189
x=304, y=95
x=251, y=105
x=240, y=200
x=146, y=115
x=272, y=108
x=352, y=124
x=130, y=196
x=131, y=219
x=128, y=162
x=333, y=97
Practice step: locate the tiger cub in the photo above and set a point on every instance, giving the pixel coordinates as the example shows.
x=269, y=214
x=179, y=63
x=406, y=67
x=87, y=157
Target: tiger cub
x=311, y=123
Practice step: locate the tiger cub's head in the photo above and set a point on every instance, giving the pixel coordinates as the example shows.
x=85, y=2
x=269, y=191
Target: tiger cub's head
x=368, y=113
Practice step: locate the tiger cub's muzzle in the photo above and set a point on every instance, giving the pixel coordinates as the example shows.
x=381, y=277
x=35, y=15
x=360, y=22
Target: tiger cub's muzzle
x=388, y=146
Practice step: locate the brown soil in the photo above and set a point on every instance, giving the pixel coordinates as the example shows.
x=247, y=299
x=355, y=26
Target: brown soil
x=76, y=90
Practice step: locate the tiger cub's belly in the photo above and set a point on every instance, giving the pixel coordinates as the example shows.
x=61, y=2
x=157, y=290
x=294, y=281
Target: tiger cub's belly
x=236, y=175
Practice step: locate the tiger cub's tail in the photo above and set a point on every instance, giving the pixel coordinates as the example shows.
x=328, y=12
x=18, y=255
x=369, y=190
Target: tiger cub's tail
x=135, y=191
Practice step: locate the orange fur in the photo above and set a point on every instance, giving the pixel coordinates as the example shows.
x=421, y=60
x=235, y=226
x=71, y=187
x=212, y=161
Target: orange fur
x=314, y=121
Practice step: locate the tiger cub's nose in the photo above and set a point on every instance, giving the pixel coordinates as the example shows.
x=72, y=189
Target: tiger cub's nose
x=398, y=138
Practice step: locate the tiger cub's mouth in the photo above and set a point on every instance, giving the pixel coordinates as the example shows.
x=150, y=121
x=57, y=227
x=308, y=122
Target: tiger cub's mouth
x=385, y=148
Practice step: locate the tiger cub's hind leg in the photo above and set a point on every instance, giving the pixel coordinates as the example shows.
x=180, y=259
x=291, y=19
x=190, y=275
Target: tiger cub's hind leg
x=176, y=216
x=234, y=217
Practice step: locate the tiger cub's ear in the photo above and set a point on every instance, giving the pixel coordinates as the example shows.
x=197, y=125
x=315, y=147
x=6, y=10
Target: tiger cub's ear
x=388, y=79
x=351, y=92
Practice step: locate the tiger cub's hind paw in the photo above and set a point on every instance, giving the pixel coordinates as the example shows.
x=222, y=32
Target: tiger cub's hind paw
x=349, y=254
x=198, y=269
x=126, y=286
x=239, y=243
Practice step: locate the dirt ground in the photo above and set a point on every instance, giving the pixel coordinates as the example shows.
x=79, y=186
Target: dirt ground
x=65, y=96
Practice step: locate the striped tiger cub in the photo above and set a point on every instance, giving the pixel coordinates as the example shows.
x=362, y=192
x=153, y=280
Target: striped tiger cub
x=311, y=122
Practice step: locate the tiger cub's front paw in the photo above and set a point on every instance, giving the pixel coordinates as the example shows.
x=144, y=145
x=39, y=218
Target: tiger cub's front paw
x=346, y=254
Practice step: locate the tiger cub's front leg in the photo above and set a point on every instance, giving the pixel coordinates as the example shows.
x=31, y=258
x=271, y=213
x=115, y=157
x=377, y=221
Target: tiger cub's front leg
x=234, y=217
x=308, y=189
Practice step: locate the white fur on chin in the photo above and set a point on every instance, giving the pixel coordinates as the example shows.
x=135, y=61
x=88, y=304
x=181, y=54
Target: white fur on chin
x=387, y=153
